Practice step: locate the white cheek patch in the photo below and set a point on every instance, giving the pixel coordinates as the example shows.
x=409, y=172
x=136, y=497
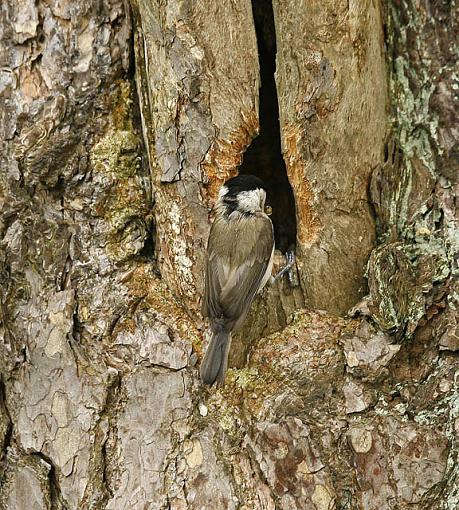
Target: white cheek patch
x=251, y=201
x=223, y=191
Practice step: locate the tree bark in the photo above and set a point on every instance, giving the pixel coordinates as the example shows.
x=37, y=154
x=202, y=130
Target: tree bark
x=118, y=123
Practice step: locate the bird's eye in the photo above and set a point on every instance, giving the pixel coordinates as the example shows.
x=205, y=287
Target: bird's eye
x=268, y=210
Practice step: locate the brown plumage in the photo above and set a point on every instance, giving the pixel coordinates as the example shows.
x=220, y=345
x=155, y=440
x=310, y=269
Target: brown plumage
x=239, y=263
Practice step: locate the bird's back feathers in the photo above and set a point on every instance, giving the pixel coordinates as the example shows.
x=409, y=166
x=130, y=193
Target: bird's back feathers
x=235, y=275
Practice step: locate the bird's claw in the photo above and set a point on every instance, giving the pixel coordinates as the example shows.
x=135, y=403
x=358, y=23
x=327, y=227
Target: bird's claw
x=290, y=259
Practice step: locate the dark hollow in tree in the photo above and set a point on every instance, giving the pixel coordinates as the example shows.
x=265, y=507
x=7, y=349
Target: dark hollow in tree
x=263, y=157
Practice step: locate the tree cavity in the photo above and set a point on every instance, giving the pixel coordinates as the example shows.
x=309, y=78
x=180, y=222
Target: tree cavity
x=263, y=157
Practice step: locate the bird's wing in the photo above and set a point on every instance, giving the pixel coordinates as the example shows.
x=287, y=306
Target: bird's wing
x=215, y=270
x=235, y=271
x=214, y=276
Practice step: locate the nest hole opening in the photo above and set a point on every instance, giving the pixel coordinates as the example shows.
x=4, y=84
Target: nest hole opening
x=263, y=157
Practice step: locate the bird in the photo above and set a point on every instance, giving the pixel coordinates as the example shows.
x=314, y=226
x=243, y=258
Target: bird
x=239, y=263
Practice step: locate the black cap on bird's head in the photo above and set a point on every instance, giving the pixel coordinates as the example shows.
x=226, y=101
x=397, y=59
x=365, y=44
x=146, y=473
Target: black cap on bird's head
x=241, y=183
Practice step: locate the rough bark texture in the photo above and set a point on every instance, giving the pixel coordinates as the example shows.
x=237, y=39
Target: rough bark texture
x=199, y=89
x=117, y=125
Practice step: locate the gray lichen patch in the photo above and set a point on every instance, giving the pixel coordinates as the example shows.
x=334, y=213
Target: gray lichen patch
x=415, y=266
x=117, y=152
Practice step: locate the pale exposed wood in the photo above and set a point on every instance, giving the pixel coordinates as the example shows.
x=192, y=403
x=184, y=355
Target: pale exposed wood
x=332, y=91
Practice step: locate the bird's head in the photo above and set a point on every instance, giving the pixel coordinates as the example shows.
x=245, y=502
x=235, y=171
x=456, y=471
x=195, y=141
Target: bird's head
x=245, y=194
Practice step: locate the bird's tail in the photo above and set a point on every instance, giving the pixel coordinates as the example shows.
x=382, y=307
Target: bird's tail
x=215, y=362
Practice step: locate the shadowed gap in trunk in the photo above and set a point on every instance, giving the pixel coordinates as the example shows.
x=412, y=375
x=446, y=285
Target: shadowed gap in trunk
x=264, y=157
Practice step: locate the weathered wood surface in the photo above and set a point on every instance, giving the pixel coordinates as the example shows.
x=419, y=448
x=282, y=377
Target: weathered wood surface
x=332, y=88
x=110, y=160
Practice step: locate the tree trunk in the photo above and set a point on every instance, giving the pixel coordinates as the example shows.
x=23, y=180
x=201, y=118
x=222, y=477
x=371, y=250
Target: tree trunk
x=118, y=123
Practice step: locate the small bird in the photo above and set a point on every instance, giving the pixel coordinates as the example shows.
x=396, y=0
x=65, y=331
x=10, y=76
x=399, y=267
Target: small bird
x=240, y=254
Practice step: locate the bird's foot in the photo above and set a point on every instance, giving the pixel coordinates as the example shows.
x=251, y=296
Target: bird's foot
x=290, y=259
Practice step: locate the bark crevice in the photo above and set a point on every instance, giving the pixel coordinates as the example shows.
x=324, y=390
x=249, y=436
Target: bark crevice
x=56, y=499
x=264, y=157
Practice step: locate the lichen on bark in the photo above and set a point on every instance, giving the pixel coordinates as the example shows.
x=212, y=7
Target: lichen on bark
x=413, y=191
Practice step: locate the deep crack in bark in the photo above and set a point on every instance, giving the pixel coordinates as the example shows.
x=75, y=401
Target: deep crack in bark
x=264, y=155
